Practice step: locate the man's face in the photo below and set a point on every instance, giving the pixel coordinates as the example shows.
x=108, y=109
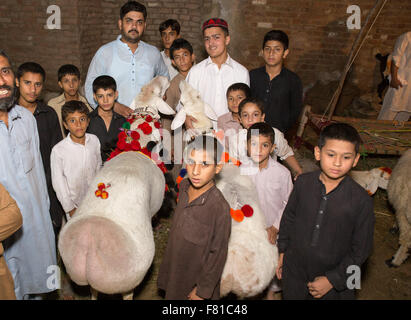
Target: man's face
x=70, y=84
x=215, y=41
x=106, y=98
x=168, y=36
x=132, y=26
x=7, y=89
x=251, y=114
x=183, y=60
x=337, y=158
x=274, y=53
x=30, y=86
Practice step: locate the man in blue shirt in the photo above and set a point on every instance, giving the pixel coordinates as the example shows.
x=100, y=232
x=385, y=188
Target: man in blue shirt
x=31, y=252
x=128, y=59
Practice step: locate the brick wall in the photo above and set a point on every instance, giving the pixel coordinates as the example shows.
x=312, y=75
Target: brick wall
x=319, y=38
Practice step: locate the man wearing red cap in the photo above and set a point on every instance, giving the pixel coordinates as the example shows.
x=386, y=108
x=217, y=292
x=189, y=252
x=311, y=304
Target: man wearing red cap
x=212, y=76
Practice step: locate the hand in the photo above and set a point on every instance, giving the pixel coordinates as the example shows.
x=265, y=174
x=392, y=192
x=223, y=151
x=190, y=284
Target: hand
x=395, y=83
x=319, y=287
x=189, y=122
x=272, y=234
x=72, y=212
x=193, y=295
x=296, y=175
x=279, y=271
x=122, y=109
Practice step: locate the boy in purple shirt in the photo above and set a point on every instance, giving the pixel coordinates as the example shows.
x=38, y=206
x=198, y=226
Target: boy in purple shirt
x=272, y=180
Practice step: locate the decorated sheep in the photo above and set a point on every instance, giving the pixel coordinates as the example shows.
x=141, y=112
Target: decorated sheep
x=251, y=259
x=192, y=105
x=108, y=244
x=399, y=194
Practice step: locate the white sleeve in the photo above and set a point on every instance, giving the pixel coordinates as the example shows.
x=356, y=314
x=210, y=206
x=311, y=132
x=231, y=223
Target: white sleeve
x=282, y=149
x=96, y=68
x=59, y=182
x=399, y=48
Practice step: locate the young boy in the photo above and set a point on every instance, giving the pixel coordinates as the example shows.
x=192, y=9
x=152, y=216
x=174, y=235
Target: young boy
x=252, y=111
x=212, y=76
x=279, y=88
x=328, y=223
x=104, y=122
x=76, y=159
x=272, y=180
x=69, y=80
x=30, y=81
x=236, y=93
x=198, y=242
x=169, y=31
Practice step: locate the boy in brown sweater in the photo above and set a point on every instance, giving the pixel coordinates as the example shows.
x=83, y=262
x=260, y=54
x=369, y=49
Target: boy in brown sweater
x=198, y=242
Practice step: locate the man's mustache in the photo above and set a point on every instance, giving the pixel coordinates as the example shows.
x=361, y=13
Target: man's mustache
x=5, y=86
x=133, y=30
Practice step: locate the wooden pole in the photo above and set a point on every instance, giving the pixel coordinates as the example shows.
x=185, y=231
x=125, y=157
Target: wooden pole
x=354, y=51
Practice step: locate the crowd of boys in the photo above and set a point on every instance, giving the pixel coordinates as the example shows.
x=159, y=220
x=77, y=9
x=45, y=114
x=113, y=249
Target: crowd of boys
x=322, y=222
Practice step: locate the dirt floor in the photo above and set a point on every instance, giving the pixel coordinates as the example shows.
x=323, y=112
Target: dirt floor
x=378, y=280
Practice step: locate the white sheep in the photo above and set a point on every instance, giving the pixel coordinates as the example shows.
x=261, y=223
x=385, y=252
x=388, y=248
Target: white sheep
x=399, y=194
x=372, y=179
x=251, y=259
x=108, y=244
x=194, y=106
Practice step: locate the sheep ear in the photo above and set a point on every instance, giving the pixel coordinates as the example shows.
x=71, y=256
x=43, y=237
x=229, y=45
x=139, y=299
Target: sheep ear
x=179, y=119
x=163, y=107
x=210, y=113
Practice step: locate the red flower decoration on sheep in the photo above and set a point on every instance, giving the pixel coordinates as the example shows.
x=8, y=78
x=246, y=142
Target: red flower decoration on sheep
x=157, y=125
x=149, y=118
x=247, y=210
x=135, y=135
x=101, y=190
x=145, y=127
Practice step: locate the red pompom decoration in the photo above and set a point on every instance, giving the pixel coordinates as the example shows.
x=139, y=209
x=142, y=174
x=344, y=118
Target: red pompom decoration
x=247, y=210
x=149, y=118
x=157, y=125
x=122, y=135
x=145, y=127
x=128, y=147
x=135, y=145
x=121, y=144
x=135, y=135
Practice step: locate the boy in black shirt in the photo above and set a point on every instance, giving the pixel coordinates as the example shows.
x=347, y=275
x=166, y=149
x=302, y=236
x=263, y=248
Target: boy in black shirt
x=327, y=226
x=104, y=122
x=279, y=88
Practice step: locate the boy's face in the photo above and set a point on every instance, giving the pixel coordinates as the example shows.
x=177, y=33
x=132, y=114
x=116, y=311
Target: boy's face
x=132, y=26
x=168, y=36
x=106, y=98
x=259, y=148
x=336, y=157
x=30, y=86
x=76, y=123
x=215, y=41
x=183, y=60
x=251, y=114
x=70, y=84
x=233, y=100
x=201, y=168
x=274, y=53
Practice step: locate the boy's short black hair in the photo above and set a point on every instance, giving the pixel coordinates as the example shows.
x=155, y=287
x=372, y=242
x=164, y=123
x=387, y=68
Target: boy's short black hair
x=276, y=35
x=71, y=107
x=206, y=143
x=68, y=69
x=259, y=103
x=32, y=67
x=178, y=44
x=104, y=82
x=173, y=24
x=261, y=129
x=340, y=131
x=133, y=6
x=240, y=86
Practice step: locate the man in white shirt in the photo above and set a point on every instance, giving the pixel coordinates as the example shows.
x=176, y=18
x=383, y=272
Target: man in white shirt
x=212, y=76
x=169, y=31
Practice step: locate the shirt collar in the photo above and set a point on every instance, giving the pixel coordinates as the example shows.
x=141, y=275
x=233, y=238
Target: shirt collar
x=78, y=144
x=228, y=62
x=41, y=108
x=125, y=46
x=201, y=200
x=94, y=114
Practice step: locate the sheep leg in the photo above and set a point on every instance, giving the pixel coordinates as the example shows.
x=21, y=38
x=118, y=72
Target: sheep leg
x=94, y=293
x=404, y=240
x=128, y=295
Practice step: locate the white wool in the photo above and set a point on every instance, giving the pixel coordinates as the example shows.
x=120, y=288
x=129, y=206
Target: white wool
x=399, y=194
x=195, y=107
x=135, y=194
x=251, y=259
